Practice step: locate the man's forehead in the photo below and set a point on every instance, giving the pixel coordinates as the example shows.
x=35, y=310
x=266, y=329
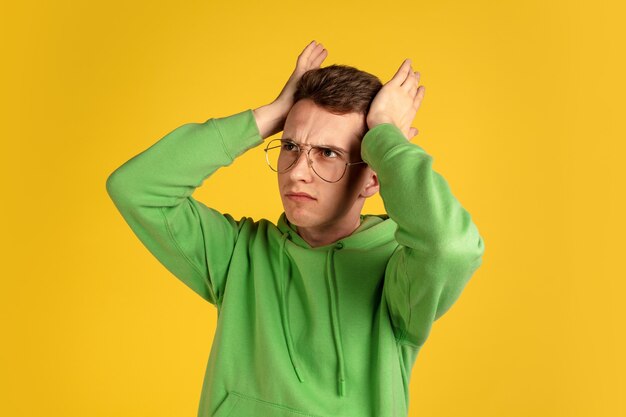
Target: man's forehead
x=323, y=136
x=320, y=135
x=310, y=124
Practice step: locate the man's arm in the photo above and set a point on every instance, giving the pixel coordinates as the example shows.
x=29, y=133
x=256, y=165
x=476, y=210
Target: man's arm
x=153, y=190
x=440, y=246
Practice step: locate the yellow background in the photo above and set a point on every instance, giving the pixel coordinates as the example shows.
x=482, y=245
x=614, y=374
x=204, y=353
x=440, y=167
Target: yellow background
x=521, y=114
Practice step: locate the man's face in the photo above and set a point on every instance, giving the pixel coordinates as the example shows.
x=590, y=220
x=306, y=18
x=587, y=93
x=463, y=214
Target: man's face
x=333, y=203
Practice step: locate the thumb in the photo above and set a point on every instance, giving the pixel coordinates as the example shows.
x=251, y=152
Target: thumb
x=412, y=133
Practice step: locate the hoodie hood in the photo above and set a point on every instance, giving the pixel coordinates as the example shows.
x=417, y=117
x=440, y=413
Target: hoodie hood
x=375, y=230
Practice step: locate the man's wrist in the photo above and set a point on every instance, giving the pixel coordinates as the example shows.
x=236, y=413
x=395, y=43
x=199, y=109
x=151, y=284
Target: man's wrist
x=376, y=120
x=270, y=118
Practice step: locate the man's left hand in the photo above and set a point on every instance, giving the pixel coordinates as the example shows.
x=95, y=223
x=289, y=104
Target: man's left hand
x=398, y=100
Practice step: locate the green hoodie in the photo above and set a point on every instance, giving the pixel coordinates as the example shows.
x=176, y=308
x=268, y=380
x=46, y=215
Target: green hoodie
x=302, y=331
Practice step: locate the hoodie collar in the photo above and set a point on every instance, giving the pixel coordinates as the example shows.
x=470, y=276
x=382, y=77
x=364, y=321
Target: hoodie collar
x=374, y=230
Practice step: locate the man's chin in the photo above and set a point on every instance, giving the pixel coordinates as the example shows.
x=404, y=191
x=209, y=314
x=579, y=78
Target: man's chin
x=298, y=219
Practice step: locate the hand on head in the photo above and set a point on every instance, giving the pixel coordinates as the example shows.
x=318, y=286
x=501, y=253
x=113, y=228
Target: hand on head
x=271, y=117
x=397, y=101
x=310, y=58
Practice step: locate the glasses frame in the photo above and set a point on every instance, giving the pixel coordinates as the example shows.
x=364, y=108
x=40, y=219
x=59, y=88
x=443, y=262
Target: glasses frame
x=308, y=158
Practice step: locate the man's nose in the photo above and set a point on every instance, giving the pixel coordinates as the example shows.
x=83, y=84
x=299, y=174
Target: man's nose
x=301, y=169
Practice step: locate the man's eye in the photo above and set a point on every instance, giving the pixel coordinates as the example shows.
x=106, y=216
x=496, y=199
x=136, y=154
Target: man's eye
x=328, y=153
x=289, y=146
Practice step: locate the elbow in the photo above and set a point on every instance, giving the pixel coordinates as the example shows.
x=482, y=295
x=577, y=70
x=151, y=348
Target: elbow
x=115, y=187
x=112, y=185
x=468, y=250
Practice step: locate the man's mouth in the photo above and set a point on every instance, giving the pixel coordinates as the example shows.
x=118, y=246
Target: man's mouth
x=299, y=196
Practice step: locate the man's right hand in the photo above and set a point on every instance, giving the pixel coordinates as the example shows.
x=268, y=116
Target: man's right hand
x=271, y=117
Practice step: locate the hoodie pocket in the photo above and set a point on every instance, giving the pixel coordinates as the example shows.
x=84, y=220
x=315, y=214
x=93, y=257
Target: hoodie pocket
x=240, y=405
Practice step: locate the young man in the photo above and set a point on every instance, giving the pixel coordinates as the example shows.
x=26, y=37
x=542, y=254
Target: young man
x=324, y=313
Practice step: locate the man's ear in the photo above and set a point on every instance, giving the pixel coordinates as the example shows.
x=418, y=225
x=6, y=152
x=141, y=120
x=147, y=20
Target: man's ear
x=371, y=185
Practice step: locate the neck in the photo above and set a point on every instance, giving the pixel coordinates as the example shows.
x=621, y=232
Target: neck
x=325, y=235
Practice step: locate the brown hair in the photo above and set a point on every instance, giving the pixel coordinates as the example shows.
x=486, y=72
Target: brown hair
x=338, y=89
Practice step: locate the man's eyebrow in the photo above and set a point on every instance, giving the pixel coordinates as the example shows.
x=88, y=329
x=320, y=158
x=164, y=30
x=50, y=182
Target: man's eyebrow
x=322, y=145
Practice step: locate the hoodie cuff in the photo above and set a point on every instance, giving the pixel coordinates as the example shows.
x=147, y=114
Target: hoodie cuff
x=239, y=132
x=381, y=139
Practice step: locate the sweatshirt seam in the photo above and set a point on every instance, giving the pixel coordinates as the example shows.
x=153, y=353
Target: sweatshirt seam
x=270, y=403
x=408, y=293
x=402, y=337
x=222, y=140
x=407, y=343
x=185, y=257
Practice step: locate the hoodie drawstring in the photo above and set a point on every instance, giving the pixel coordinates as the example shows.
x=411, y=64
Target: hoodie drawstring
x=283, y=307
x=334, y=313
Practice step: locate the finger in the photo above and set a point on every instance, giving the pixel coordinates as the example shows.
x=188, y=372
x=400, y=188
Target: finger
x=312, y=55
x=416, y=85
x=410, y=77
x=316, y=52
x=308, y=48
x=402, y=73
x=306, y=52
x=411, y=84
x=412, y=132
x=419, y=96
x=319, y=59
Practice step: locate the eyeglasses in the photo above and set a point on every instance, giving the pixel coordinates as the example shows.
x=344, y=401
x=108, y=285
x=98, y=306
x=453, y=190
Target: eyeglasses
x=329, y=164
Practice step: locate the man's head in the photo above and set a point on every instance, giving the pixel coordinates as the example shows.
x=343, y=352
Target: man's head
x=331, y=106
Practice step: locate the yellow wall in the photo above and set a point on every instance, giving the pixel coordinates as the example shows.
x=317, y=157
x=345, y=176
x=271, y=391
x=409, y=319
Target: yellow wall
x=521, y=115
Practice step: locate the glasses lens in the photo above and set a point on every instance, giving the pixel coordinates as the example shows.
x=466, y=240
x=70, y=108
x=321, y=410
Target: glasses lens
x=281, y=154
x=330, y=165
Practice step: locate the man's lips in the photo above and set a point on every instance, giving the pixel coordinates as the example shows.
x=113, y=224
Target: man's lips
x=299, y=196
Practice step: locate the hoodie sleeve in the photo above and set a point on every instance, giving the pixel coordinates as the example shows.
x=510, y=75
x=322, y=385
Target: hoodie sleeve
x=152, y=191
x=439, y=245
